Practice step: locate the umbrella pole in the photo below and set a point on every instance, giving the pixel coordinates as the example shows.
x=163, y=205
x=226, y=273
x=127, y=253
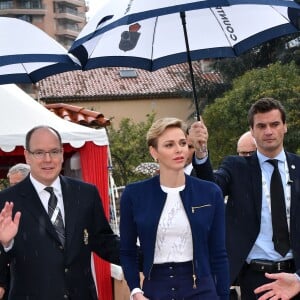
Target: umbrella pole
x=183, y=20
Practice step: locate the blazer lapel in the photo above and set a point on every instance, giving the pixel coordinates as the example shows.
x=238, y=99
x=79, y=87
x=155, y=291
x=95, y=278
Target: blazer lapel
x=256, y=178
x=71, y=203
x=292, y=171
x=294, y=175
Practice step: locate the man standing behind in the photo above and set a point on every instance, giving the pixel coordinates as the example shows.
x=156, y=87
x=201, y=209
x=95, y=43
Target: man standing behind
x=188, y=168
x=17, y=173
x=51, y=226
x=246, y=144
x=255, y=242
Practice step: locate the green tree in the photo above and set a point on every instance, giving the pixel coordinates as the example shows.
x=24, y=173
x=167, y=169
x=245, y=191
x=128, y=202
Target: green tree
x=259, y=57
x=128, y=149
x=3, y=183
x=276, y=50
x=226, y=119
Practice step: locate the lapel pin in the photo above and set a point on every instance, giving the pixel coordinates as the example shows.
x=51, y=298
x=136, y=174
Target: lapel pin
x=85, y=236
x=293, y=166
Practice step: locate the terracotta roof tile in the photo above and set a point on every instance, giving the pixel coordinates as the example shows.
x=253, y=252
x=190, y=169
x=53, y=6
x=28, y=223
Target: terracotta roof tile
x=106, y=83
x=79, y=115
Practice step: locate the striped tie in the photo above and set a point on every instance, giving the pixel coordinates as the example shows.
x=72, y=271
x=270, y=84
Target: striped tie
x=55, y=215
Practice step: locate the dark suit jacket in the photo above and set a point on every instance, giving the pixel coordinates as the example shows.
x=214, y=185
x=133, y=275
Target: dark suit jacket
x=240, y=180
x=4, y=275
x=41, y=268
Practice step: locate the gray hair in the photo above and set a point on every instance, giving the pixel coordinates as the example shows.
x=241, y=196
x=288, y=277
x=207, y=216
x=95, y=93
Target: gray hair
x=24, y=169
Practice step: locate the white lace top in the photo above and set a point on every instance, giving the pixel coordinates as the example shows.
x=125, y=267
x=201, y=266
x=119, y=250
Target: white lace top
x=174, y=237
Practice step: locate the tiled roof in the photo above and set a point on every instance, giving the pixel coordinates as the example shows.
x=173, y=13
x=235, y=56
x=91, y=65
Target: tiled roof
x=79, y=115
x=106, y=83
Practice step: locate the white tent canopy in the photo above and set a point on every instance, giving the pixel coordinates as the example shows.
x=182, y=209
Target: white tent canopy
x=19, y=113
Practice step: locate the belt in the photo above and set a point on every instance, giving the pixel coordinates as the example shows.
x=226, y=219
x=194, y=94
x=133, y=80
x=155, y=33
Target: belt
x=269, y=266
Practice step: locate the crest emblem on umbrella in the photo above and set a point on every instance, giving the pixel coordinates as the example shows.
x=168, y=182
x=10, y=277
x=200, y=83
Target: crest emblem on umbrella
x=130, y=38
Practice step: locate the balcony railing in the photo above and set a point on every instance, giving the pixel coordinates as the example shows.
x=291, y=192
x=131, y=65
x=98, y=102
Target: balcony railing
x=80, y=3
x=74, y=12
x=68, y=30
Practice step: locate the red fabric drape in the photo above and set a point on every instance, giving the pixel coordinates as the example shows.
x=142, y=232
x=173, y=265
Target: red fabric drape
x=94, y=168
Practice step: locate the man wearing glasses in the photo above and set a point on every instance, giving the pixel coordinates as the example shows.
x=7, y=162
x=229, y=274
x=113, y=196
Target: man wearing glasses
x=51, y=225
x=246, y=144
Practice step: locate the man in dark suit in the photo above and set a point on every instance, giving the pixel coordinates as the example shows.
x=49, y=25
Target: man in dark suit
x=246, y=182
x=50, y=256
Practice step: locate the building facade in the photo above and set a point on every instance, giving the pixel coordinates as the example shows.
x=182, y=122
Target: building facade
x=120, y=93
x=61, y=19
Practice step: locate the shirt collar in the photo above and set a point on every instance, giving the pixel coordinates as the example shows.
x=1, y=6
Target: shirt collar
x=188, y=169
x=40, y=187
x=280, y=157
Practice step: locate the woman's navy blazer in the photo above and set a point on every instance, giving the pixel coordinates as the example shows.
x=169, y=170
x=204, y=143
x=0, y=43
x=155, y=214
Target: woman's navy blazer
x=141, y=206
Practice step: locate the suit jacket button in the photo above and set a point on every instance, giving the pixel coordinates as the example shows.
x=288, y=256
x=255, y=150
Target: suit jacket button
x=66, y=270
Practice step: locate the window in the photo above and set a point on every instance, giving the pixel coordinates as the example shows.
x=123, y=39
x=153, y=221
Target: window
x=128, y=73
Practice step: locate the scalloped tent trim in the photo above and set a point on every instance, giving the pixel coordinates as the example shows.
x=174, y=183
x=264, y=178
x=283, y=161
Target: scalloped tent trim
x=19, y=113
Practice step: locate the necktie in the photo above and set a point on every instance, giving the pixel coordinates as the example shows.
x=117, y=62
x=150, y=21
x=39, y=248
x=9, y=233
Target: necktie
x=55, y=215
x=279, y=221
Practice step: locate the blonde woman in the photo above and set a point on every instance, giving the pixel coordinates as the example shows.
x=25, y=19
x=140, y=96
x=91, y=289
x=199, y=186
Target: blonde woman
x=179, y=222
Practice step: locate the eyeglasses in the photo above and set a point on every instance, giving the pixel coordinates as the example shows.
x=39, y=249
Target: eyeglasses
x=245, y=153
x=40, y=154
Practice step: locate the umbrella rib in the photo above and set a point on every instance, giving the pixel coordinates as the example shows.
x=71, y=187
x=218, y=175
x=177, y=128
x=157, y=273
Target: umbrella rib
x=27, y=71
x=284, y=17
x=153, y=38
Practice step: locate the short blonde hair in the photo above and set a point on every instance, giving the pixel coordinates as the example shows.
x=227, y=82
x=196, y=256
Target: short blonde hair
x=159, y=127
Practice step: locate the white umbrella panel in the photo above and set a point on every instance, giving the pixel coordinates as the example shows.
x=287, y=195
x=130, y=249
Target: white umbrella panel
x=28, y=54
